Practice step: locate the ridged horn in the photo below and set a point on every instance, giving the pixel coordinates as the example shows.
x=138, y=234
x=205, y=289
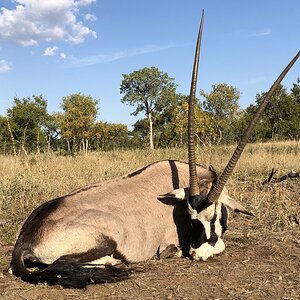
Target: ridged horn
x=191, y=118
x=217, y=188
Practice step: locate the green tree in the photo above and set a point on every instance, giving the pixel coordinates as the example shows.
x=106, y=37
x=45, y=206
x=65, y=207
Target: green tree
x=222, y=105
x=110, y=136
x=77, y=120
x=295, y=112
x=281, y=117
x=52, y=131
x=147, y=89
x=25, y=120
x=180, y=121
x=5, y=140
x=140, y=134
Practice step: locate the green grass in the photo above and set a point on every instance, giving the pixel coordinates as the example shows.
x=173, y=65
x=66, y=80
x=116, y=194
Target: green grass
x=26, y=182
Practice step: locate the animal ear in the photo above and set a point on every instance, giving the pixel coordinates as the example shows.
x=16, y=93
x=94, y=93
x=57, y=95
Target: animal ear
x=236, y=206
x=181, y=194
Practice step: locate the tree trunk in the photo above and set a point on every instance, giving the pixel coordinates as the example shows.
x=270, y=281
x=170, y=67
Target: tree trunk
x=73, y=149
x=150, y=131
x=82, y=146
x=4, y=148
x=23, y=149
x=48, y=138
x=12, y=139
x=38, y=142
x=68, y=145
x=86, y=146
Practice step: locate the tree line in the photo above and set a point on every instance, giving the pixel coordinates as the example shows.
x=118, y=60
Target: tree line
x=28, y=127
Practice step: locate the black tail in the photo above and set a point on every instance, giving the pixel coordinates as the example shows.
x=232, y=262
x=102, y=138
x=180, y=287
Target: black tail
x=67, y=272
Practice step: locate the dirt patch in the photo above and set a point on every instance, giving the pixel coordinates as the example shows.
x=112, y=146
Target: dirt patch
x=256, y=264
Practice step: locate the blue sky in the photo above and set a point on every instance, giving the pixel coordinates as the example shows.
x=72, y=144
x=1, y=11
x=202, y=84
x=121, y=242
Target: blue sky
x=59, y=47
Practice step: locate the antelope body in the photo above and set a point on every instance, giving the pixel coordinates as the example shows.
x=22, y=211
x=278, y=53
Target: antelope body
x=128, y=219
x=160, y=209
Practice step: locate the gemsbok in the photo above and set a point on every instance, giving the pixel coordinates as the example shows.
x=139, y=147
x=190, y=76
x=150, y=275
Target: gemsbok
x=161, y=209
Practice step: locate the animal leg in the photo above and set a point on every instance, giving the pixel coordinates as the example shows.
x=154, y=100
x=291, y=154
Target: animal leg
x=169, y=252
x=219, y=246
x=103, y=261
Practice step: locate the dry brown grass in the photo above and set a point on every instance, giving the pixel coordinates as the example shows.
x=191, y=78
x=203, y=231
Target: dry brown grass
x=26, y=182
x=262, y=255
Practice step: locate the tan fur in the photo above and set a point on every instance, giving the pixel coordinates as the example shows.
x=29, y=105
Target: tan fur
x=124, y=209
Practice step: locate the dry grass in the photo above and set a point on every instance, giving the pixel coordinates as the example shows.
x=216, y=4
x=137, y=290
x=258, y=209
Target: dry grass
x=262, y=255
x=26, y=182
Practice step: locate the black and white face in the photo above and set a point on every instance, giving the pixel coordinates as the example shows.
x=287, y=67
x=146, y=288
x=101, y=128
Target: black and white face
x=208, y=219
x=208, y=222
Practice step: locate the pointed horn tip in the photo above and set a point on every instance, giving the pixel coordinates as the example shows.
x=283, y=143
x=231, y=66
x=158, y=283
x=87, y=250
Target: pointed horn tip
x=216, y=189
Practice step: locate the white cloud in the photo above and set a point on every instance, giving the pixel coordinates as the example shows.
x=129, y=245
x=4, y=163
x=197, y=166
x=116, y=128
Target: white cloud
x=62, y=56
x=90, y=17
x=105, y=58
x=50, y=51
x=34, y=21
x=84, y=2
x=4, y=66
x=261, y=33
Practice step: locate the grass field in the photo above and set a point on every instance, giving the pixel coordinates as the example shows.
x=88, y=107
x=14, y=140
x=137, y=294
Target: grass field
x=26, y=182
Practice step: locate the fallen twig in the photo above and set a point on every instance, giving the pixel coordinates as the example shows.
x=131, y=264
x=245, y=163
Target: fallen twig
x=272, y=179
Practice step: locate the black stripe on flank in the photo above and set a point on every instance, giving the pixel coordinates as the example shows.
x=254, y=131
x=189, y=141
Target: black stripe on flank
x=32, y=226
x=141, y=170
x=175, y=177
x=107, y=246
x=70, y=270
x=29, y=236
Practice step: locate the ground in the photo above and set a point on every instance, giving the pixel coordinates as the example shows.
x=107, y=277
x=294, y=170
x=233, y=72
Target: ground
x=256, y=264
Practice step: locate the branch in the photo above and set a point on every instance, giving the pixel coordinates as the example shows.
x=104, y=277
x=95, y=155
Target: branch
x=272, y=179
x=273, y=172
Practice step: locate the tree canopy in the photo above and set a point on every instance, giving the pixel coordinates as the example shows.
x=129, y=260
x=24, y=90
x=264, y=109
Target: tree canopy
x=28, y=127
x=25, y=121
x=222, y=106
x=281, y=117
x=148, y=89
x=78, y=118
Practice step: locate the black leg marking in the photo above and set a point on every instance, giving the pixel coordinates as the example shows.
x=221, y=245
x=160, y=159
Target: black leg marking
x=169, y=252
x=198, y=234
x=213, y=236
x=224, y=218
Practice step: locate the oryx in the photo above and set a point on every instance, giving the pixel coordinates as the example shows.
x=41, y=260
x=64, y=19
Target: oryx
x=161, y=209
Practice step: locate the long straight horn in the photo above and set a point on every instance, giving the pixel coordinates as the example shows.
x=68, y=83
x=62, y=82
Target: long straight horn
x=217, y=188
x=191, y=117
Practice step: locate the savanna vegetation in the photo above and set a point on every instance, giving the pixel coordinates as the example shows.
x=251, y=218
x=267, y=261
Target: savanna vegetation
x=27, y=126
x=27, y=181
x=262, y=255
x=261, y=259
